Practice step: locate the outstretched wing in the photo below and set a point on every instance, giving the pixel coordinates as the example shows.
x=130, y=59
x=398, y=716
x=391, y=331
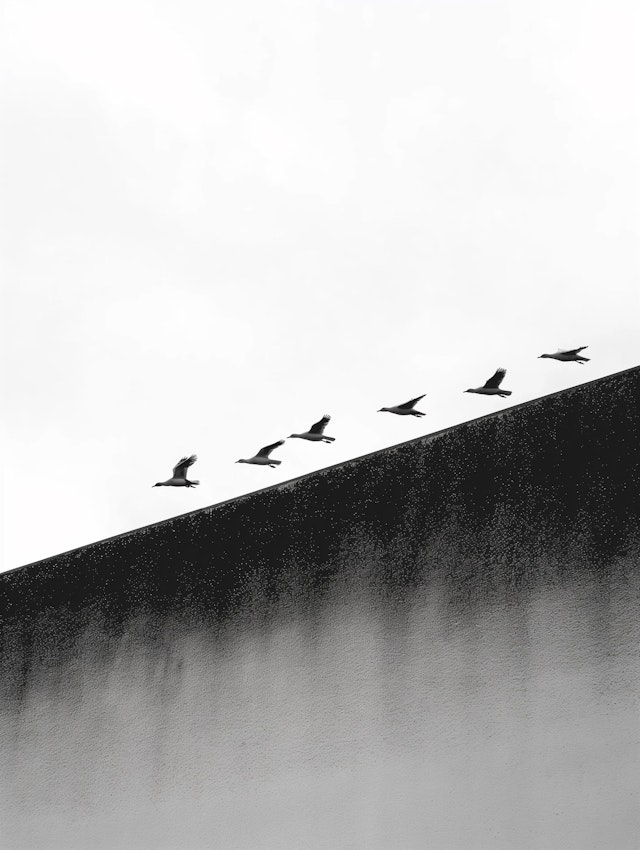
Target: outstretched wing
x=409, y=404
x=318, y=427
x=266, y=451
x=495, y=380
x=180, y=469
x=572, y=350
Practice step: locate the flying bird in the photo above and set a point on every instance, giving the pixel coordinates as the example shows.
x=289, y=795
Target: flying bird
x=179, y=477
x=405, y=409
x=569, y=355
x=316, y=433
x=492, y=387
x=262, y=458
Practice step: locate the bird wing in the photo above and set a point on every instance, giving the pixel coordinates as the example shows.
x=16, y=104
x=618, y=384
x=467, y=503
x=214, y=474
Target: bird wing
x=409, y=404
x=180, y=469
x=266, y=451
x=571, y=350
x=318, y=427
x=495, y=380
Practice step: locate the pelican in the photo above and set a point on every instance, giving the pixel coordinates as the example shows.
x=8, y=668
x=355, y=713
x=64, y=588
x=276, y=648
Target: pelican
x=316, y=434
x=492, y=387
x=569, y=355
x=405, y=409
x=262, y=458
x=179, y=477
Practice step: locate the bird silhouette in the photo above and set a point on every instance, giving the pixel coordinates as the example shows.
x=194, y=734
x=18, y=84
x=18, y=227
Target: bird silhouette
x=316, y=434
x=262, y=458
x=179, y=477
x=568, y=355
x=492, y=387
x=406, y=409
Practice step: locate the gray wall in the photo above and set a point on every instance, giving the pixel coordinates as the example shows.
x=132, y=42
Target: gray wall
x=436, y=645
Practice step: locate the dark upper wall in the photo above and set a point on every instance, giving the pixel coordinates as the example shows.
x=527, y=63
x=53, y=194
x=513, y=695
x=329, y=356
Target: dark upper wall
x=489, y=506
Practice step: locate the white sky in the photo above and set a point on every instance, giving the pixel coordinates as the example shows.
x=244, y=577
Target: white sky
x=223, y=220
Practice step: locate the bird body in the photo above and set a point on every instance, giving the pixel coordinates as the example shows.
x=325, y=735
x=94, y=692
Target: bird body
x=569, y=355
x=492, y=386
x=406, y=409
x=316, y=434
x=179, y=477
x=262, y=458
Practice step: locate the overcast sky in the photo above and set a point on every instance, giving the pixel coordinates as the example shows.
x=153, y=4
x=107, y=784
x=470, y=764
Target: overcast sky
x=223, y=220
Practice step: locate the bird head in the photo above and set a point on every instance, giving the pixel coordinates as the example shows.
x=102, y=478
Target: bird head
x=241, y=460
x=468, y=391
x=159, y=484
x=543, y=355
x=383, y=410
x=292, y=435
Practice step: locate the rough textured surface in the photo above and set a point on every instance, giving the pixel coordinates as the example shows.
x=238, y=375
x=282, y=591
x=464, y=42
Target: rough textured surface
x=437, y=640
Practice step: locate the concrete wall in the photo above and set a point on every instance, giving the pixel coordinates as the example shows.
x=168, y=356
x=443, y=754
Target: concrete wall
x=432, y=646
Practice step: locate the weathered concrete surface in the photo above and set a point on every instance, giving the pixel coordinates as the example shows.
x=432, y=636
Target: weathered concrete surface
x=435, y=643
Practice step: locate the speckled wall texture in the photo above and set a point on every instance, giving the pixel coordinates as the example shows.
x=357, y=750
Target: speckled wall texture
x=436, y=645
